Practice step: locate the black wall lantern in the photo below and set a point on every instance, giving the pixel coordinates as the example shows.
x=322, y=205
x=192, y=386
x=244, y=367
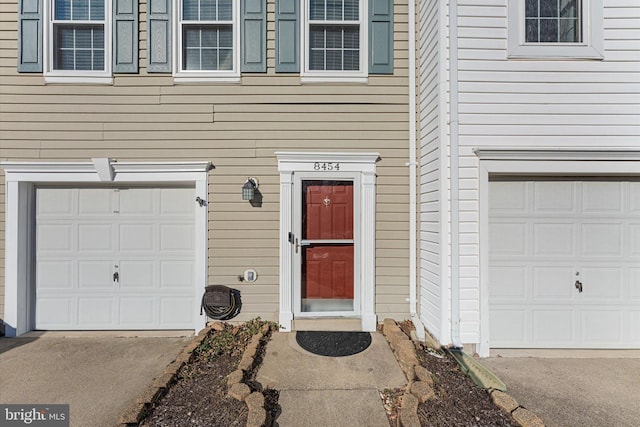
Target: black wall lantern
x=249, y=189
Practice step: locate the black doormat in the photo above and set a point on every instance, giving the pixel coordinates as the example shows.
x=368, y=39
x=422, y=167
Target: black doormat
x=334, y=344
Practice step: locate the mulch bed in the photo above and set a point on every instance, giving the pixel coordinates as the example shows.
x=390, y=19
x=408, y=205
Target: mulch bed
x=199, y=395
x=458, y=401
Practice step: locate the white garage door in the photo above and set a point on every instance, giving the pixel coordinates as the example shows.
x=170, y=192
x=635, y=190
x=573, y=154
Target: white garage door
x=546, y=238
x=115, y=258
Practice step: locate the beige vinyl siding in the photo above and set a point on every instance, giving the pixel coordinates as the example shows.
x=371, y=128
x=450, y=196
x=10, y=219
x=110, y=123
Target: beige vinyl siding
x=432, y=311
x=536, y=104
x=237, y=127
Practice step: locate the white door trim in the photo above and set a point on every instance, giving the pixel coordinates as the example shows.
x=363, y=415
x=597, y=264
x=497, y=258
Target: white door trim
x=358, y=165
x=21, y=179
x=529, y=162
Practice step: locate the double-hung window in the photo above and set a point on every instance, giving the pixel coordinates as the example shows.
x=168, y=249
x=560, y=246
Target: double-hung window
x=208, y=38
x=335, y=38
x=555, y=29
x=78, y=38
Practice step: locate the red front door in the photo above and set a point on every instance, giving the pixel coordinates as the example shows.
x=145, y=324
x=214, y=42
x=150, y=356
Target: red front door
x=327, y=245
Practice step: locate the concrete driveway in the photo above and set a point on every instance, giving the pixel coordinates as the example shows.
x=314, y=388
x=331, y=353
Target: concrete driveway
x=573, y=387
x=98, y=377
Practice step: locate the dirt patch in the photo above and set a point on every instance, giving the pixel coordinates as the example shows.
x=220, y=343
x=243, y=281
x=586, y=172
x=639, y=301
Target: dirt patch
x=458, y=401
x=199, y=395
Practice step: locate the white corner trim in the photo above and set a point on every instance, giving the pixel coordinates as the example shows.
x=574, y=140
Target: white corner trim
x=23, y=177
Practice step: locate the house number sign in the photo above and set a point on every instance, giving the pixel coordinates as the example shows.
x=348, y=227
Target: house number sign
x=326, y=166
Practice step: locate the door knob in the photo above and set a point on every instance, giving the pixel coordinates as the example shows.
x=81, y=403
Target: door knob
x=116, y=277
x=579, y=286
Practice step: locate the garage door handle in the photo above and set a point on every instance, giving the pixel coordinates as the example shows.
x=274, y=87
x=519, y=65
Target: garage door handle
x=116, y=277
x=579, y=286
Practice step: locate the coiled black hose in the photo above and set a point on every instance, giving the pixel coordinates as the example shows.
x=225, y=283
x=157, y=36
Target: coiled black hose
x=220, y=302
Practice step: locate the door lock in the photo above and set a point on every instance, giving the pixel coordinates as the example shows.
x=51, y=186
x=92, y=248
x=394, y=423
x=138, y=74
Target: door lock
x=578, y=286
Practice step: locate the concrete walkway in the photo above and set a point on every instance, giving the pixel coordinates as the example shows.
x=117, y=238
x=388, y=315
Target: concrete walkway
x=329, y=391
x=98, y=377
x=573, y=388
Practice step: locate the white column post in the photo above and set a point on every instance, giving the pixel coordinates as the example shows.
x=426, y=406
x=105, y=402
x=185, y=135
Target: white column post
x=368, y=254
x=286, y=286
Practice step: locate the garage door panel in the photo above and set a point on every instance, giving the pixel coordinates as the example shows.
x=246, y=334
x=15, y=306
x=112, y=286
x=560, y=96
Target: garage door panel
x=176, y=238
x=176, y=274
x=553, y=327
x=55, y=274
x=96, y=238
x=553, y=284
x=136, y=312
x=602, y=197
x=95, y=312
x=95, y=202
x=55, y=202
x=509, y=327
x=634, y=285
x=177, y=201
x=602, y=240
x=55, y=312
x=55, y=238
x=634, y=232
x=137, y=274
x=508, y=239
x=602, y=328
x=508, y=282
x=137, y=202
x=634, y=198
x=176, y=312
x=136, y=238
x=554, y=197
x=95, y=274
x=634, y=322
x=553, y=239
x=602, y=284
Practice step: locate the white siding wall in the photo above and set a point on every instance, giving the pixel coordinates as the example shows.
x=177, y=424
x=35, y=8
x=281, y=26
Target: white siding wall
x=536, y=104
x=432, y=310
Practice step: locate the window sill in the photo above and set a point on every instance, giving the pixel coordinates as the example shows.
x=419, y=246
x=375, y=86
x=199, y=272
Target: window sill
x=333, y=80
x=554, y=51
x=100, y=80
x=202, y=79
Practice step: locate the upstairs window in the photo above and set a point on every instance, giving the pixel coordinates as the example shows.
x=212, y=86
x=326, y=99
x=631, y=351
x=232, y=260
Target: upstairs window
x=553, y=21
x=79, y=35
x=555, y=29
x=334, y=35
x=207, y=36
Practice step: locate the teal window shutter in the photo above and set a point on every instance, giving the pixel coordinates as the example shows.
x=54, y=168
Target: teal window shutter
x=381, y=36
x=253, y=36
x=288, y=36
x=125, y=36
x=159, y=36
x=30, y=36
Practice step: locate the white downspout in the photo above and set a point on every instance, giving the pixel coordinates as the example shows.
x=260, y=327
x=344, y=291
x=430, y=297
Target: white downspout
x=455, y=172
x=413, y=198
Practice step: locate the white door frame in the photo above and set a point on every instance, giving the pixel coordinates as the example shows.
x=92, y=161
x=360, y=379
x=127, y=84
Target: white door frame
x=532, y=162
x=21, y=179
x=361, y=167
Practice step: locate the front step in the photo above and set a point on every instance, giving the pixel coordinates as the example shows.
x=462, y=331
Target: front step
x=327, y=324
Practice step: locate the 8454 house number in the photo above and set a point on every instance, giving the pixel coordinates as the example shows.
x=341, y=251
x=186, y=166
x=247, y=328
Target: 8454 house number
x=326, y=166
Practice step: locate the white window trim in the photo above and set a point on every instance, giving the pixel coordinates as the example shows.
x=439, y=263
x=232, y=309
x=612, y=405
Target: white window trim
x=82, y=77
x=529, y=162
x=309, y=76
x=591, y=47
x=184, y=76
x=21, y=179
x=361, y=167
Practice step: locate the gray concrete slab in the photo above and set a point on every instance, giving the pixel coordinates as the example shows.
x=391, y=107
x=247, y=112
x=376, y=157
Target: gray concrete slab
x=97, y=377
x=329, y=391
x=573, y=391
